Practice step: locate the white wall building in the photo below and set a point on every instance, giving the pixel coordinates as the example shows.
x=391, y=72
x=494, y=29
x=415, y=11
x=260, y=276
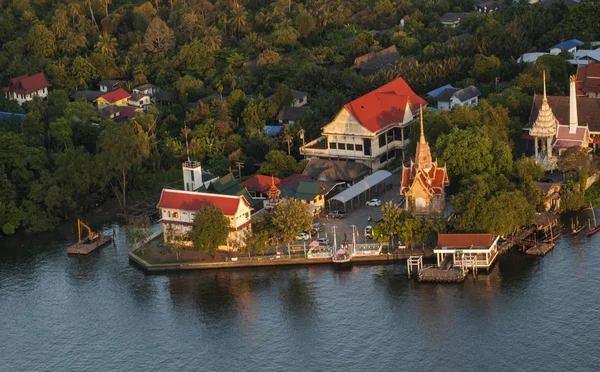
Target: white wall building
x=372, y=129
x=178, y=210
x=25, y=87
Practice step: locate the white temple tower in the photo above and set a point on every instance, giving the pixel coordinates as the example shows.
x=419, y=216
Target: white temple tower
x=192, y=175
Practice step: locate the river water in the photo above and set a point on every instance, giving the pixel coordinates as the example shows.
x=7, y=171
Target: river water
x=60, y=313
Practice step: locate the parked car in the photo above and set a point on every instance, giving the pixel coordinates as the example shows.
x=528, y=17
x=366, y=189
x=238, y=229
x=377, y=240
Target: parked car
x=303, y=236
x=374, y=203
x=368, y=230
x=336, y=214
x=317, y=226
x=323, y=241
x=546, y=180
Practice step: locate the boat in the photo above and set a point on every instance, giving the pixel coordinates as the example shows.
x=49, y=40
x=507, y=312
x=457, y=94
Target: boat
x=342, y=257
x=596, y=228
x=552, y=232
x=577, y=227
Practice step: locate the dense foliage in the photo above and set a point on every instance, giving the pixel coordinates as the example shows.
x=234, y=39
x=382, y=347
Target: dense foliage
x=57, y=164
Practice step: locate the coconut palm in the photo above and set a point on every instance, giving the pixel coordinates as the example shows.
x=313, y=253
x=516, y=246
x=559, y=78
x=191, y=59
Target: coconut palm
x=60, y=23
x=106, y=45
x=238, y=19
x=212, y=38
x=73, y=10
x=72, y=43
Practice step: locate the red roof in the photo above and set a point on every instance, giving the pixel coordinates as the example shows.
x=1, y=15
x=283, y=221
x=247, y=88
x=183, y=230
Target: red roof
x=465, y=240
x=588, y=79
x=115, y=95
x=260, y=183
x=588, y=110
x=385, y=105
x=436, y=178
x=26, y=84
x=193, y=201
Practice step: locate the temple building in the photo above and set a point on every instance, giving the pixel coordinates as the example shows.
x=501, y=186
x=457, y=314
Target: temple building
x=544, y=128
x=557, y=123
x=423, y=183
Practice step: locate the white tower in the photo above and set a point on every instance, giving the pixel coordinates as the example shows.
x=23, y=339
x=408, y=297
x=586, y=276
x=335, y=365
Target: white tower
x=573, y=122
x=192, y=170
x=192, y=175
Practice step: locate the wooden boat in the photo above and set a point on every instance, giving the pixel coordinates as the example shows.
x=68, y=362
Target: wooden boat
x=596, y=227
x=552, y=232
x=577, y=227
x=553, y=236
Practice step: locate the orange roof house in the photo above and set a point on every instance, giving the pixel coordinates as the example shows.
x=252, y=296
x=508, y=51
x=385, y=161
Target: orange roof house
x=423, y=183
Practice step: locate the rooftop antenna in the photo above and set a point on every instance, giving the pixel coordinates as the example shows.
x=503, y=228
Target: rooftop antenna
x=185, y=131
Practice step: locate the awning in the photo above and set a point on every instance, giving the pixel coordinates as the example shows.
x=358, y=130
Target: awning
x=362, y=186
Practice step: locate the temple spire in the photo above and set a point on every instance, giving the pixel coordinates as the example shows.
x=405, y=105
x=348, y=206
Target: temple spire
x=422, y=139
x=423, y=156
x=544, y=75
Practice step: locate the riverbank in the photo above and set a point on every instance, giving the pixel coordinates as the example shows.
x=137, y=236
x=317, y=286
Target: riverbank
x=156, y=259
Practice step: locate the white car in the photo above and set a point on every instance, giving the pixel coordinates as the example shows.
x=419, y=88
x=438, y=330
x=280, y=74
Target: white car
x=374, y=203
x=303, y=236
x=368, y=230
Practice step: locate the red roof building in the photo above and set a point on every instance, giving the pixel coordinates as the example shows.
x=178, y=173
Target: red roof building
x=588, y=80
x=116, y=97
x=258, y=185
x=25, y=87
x=178, y=210
x=467, y=251
x=424, y=182
x=372, y=129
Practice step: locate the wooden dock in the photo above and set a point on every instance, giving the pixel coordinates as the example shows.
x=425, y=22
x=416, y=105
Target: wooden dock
x=431, y=274
x=86, y=248
x=540, y=249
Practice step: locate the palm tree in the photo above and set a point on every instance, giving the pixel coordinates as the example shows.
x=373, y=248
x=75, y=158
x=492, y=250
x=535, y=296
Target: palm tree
x=73, y=9
x=94, y=23
x=212, y=38
x=238, y=19
x=72, y=43
x=60, y=23
x=106, y=45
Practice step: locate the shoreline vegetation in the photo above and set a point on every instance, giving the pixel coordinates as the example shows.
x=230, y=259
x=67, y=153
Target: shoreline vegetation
x=226, y=69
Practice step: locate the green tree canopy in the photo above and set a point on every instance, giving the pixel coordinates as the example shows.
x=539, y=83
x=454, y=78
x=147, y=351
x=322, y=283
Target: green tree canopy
x=210, y=229
x=290, y=218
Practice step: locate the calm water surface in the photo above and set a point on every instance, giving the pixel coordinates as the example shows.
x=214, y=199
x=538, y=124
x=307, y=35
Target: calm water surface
x=59, y=313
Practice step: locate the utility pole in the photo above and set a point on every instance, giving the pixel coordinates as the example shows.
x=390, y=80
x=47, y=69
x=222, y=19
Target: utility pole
x=334, y=239
x=354, y=239
x=240, y=165
x=185, y=131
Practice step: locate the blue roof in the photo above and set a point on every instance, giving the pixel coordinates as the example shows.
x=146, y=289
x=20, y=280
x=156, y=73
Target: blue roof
x=6, y=116
x=568, y=44
x=272, y=130
x=436, y=92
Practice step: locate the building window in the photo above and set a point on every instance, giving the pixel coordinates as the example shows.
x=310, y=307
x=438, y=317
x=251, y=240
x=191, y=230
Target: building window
x=359, y=147
x=341, y=146
x=382, y=140
x=367, y=143
x=350, y=147
x=332, y=145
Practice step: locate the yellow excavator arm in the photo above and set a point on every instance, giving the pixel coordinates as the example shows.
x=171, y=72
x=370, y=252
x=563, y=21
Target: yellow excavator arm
x=91, y=234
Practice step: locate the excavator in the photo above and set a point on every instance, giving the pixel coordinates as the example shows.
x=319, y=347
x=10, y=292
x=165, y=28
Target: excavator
x=91, y=236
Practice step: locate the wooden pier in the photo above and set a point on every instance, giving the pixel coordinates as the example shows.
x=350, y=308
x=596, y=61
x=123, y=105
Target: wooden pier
x=540, y=249
x=86, y=248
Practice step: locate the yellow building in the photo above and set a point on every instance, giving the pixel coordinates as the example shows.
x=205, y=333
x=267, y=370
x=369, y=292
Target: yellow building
x=115, y=98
